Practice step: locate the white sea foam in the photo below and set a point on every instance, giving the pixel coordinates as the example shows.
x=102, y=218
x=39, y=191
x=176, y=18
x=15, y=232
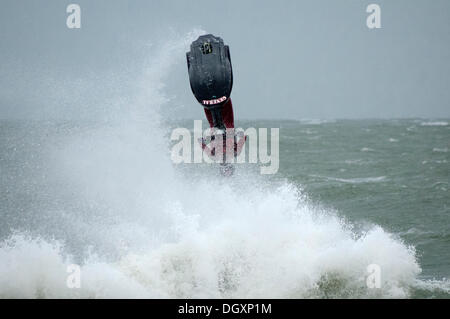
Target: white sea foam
x=261, y=245
x=358, y=180
x=316, y=121
x=363, y=180
x=435, y=123
x=353, y=161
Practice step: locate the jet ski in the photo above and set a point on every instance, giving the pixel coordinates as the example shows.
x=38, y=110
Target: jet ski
x=211, y=81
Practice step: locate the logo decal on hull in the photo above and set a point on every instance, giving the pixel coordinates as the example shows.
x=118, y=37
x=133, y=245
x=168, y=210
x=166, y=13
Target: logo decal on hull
x=214, y=101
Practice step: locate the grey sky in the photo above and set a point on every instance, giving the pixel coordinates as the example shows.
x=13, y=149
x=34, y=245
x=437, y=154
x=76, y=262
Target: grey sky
x=291, y=59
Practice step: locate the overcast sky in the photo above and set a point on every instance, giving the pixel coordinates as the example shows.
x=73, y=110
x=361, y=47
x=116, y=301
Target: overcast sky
x=291, y=59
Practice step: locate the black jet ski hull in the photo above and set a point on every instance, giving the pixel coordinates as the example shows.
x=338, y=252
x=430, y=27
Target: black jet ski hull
x=210, y=71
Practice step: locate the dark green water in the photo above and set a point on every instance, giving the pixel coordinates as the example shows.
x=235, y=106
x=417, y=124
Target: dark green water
x=393, y=173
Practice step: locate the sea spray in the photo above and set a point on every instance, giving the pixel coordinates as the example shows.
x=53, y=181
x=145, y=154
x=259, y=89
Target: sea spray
x=112, y=202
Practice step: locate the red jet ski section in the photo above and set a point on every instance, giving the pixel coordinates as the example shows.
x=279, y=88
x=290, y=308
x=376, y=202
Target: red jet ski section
x=211, y=80
x=228, y=147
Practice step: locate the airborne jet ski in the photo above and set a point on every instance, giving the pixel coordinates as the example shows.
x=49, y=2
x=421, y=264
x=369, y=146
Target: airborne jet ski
x=211, y=80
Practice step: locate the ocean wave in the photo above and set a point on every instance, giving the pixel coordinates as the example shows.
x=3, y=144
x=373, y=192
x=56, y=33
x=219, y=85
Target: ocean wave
x=358, y=161
x=362, y=180
x=316, y=121
x=297, y=254
x=358, y=180
x=436, y=123
x=431, y=287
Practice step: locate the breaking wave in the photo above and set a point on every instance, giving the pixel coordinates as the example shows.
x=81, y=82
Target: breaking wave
x=436, y=123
